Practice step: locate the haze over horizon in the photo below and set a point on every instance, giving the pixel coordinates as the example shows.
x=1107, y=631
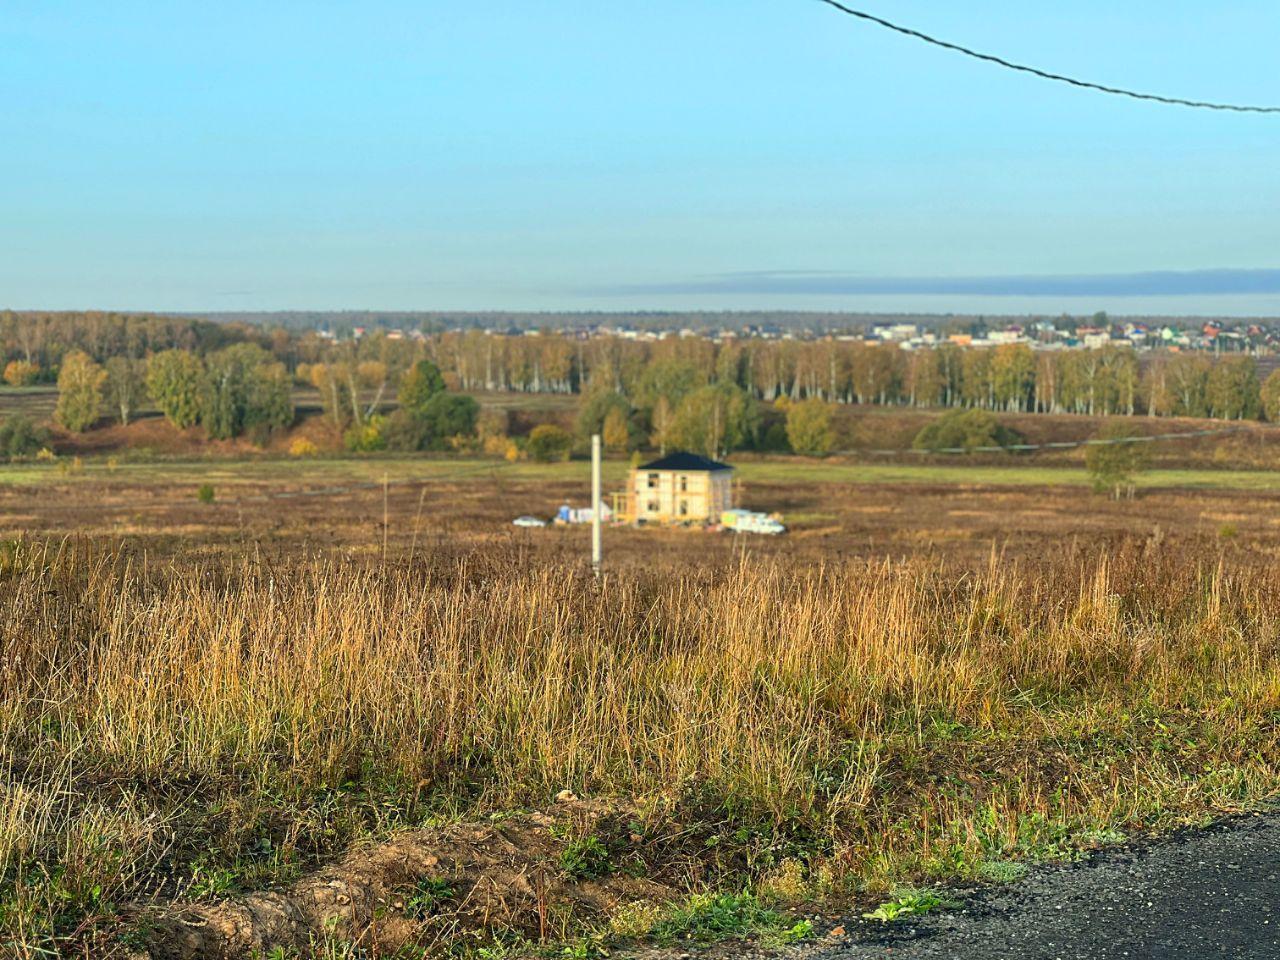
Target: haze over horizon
x=765, y=154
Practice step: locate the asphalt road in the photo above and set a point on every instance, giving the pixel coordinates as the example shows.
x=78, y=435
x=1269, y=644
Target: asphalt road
x=1200, y=894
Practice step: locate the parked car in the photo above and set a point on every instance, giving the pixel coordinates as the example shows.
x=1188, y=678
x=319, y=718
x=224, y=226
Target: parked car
x=748, y=521
x=527, y=521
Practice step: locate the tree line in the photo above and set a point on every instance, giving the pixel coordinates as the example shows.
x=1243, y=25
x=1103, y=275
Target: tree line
x=1011, y=378
x=242, y=390
x=231, y=392
x=691, y=392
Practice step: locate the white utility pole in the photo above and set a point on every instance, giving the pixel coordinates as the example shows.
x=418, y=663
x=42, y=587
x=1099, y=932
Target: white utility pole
x=595, y=503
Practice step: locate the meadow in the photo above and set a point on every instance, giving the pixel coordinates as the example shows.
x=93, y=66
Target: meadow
x=389, y=507
x=181, y=734
x=355, y=675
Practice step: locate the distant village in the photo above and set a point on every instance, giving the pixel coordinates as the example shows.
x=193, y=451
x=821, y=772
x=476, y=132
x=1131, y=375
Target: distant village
x=1255, y=336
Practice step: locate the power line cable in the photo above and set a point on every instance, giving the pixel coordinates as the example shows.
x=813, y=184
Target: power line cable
x=1044, y=74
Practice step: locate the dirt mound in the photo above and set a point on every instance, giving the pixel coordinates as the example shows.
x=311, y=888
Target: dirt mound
x=528, y=873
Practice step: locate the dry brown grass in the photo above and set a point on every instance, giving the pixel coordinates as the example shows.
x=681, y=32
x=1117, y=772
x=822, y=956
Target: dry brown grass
x=188, y=730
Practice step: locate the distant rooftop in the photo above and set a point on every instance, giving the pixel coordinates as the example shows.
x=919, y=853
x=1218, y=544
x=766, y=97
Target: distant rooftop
x=689, y=462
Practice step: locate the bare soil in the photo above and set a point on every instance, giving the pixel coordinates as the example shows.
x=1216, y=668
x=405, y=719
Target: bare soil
x=497, y=876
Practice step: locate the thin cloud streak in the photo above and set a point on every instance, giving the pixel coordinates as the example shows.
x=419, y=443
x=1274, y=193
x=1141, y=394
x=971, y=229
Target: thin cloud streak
x=1167, y=283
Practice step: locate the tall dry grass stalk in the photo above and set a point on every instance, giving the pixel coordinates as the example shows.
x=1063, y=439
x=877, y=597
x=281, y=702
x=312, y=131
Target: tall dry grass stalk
x=897, y=709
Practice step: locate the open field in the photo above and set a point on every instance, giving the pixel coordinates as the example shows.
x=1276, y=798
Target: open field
x=355, y=675
x=445, y=507
x=174, y=736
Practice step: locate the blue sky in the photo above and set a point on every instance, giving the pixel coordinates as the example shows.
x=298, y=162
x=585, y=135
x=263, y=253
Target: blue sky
x=671, y=154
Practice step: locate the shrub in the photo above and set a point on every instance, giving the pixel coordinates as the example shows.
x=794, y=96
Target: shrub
x=448, y=415
x=547, y=442
x=1113, y=466
x=436, y=424
x=367, y=437
x=20, y=373
x=302, y=447
x=966, y=430
x=205, y=494
x=774, y=439
x=809, y=427
x=405, y=432
x=19, y=437
x=493, y=424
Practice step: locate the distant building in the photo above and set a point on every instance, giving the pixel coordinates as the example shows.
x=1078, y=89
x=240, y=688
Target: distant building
x=1012, y=335
x=895, y=331
x=680, y=488
x=1093, y=341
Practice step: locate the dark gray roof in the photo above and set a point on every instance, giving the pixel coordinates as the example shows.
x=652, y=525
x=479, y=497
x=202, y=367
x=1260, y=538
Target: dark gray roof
x=685, y=461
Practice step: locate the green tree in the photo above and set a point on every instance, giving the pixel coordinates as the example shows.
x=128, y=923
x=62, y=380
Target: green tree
x=421, y=382
x=1118, y=380
x=714, y=420
x=1232, y=389
x=809, y=429
x=244, y=389
x=925, y=381
x=673, y=378
x=19, y=437
x=615, y=434
x=1187, y=381
x=448, y=415
x=1013, y=376
x=976, y=387
x=404, y=432
x=126, y=386
x=173, y=380
x=1271, y=396
x=877, y=372
x=1114, y=466
x=595, y=410
x=965, y=430
x=548, y=442
x=662, y=417
x=80, y=383
x=269, y=405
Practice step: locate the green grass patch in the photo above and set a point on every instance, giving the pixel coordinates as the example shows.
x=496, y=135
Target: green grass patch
x=282, y=471
x=585, y=859
x=711, y=917
x=912, y=903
